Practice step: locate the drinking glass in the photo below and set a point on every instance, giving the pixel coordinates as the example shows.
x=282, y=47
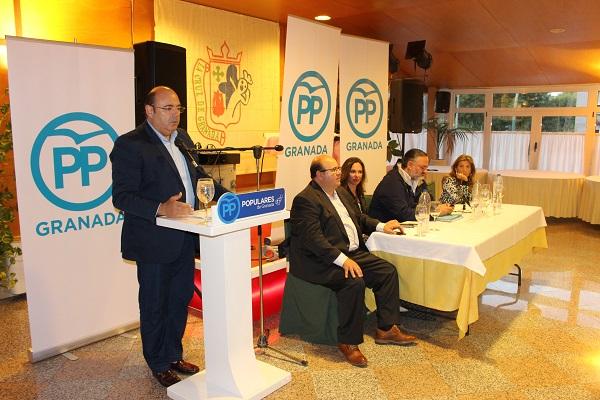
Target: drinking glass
x=434, y=211
x=206, y=191
x=475, y=204
x=422, y=215
x=484, y=193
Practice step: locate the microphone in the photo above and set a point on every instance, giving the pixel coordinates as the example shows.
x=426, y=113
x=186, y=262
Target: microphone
x=278, y=147
x=186, y=152
x=257, y=151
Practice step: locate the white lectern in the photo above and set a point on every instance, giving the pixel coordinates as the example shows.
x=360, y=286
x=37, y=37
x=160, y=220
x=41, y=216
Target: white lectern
x=232, y=370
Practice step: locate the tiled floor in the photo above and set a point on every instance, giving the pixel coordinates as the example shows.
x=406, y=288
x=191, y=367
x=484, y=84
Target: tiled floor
x=543, y=343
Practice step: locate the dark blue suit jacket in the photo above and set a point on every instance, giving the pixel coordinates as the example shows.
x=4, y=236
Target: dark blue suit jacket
x=144, y=175
x=318, y=234
x=394, y=199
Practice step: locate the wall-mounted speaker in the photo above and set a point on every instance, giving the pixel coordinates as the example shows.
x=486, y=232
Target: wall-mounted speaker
x=406, y=106
x=159, y=64
x=442, y=102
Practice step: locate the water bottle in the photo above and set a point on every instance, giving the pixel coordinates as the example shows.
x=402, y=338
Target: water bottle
x=498, y=192
x=476, y=198
x=425, y=200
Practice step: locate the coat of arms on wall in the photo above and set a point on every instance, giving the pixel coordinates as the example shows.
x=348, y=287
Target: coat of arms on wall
x=221, y=89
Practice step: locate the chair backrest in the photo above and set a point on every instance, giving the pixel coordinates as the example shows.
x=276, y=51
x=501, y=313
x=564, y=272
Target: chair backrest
x=368, y=198
x=431, y=190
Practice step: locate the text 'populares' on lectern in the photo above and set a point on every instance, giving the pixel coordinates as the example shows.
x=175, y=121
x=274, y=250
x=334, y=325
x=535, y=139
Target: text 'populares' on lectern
x=232, y=370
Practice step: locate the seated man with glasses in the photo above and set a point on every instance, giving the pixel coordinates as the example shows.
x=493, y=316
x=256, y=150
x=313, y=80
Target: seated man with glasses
x=397, y=195
x=154, y=174
x=327, y=248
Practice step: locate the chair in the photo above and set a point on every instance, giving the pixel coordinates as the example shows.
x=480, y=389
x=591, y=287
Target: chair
x=368, y=198
x=431, y=190
x=309, y=311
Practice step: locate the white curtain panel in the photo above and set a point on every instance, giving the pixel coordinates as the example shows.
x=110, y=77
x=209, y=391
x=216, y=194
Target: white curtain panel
x=416, y=140
x=509, y=150
x=561, y=152
x=596, y=158
x=473, y=146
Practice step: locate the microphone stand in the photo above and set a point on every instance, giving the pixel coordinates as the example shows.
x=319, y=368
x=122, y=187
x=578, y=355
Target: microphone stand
x=262, y=344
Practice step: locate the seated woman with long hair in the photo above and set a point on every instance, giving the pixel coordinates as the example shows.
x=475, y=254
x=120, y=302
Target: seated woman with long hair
x=456, y=188
x=353, y=177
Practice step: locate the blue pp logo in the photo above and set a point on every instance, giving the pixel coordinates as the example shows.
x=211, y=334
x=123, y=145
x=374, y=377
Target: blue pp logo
x=364, y=108
x=309, y=106
x=229, y=207
x=69, y=155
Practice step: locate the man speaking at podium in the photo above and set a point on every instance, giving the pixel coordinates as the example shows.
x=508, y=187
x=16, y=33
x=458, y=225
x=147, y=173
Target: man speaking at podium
x=327, y=248
x=154, y=175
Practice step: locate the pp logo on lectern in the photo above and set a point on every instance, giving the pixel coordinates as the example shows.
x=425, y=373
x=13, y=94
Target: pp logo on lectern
x=229, y=207
x=69, y=155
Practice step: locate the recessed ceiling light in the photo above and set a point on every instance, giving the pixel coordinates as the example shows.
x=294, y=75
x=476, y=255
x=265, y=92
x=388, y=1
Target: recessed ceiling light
x=557, y=30
x=322, y=17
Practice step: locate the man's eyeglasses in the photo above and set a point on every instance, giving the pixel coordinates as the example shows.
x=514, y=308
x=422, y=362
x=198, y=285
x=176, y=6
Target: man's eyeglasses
x=170, y=108
x=333, y=170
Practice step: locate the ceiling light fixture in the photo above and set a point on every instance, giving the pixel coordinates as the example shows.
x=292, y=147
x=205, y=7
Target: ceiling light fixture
x=557, y=30
x=322, y=17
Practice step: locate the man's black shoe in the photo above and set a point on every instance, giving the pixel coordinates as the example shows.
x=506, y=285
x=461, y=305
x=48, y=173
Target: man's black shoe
x=166, y=378
x=185, y=367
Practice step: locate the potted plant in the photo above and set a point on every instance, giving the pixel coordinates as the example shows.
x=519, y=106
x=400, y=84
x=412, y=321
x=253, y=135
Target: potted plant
x=8, y=252
x=444, y=134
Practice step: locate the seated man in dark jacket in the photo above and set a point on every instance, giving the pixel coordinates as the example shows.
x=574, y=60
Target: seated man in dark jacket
x=397, y=195
x=327, y=248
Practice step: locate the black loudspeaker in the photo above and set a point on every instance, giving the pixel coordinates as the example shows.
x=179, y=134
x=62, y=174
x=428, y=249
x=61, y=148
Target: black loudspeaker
x=159, y=64
x=442, y=102
x=406, y=106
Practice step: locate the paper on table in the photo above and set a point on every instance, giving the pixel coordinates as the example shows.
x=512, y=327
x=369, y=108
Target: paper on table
x=449, y=217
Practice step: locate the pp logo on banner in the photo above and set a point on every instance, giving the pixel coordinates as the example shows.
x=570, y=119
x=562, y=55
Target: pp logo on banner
x=228, y=207
x=68, y=158
x=364, y=108
x=309, y=106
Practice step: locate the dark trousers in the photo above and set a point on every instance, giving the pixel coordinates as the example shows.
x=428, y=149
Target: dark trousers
x=165, y=291
x=379, y=275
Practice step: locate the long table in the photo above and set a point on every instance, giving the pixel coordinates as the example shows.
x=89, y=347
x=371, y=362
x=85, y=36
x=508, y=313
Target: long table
x=589, y=205
x=448, y=269
x=557, y=193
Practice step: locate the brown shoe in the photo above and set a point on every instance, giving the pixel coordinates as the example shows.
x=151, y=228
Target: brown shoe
x=166, y=378
x=393, y=336
x=353, y=355
x=185, y=367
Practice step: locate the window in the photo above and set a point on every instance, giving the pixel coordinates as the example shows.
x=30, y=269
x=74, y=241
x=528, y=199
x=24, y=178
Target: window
x=563, y=124
x=563, y=140
x=540, y=99
x=470, y=100
x=510, y=142
x=472, y=146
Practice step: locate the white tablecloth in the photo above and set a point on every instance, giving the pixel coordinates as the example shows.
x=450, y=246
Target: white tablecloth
x=442, y=171
x=557, y=193
x=448, y=269
x=589, y=205
x=468, y=241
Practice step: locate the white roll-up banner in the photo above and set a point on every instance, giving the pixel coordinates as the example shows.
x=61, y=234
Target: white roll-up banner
x=309, y=100
x=363, y=104
x=69, y=103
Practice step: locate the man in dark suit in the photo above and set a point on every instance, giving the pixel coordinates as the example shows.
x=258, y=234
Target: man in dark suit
x=327, y=248
x=153, y=177
x=397, y=195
